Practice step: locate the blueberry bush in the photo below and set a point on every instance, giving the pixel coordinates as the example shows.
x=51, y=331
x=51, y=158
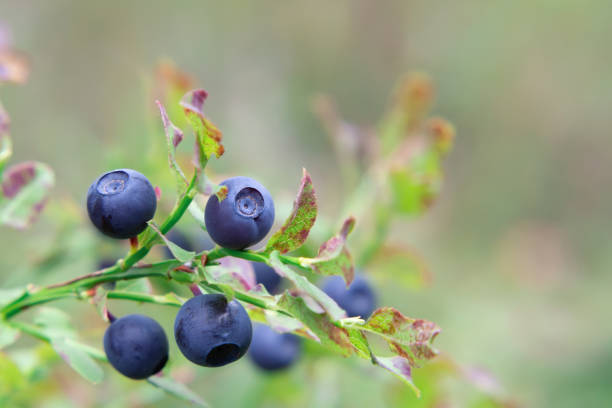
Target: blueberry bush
x=219, y=292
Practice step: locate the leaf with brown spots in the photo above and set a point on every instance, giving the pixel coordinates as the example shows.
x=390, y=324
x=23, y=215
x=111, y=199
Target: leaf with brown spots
x=334, y=258
x=296, y=228
x=25, y=188
x=208, y=136
x=407, y=337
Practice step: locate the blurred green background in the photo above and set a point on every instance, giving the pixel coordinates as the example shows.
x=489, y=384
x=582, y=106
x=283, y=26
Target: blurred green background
x=518, y=243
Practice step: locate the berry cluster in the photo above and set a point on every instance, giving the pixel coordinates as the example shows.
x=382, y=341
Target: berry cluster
x=209, y=330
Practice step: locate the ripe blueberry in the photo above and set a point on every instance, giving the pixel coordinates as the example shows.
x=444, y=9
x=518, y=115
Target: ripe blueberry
x=136, y=346
x=266, y=276
x=358, y=300
x=212, y=332
x=121, y=202
x=243, y=218
x=273, y=351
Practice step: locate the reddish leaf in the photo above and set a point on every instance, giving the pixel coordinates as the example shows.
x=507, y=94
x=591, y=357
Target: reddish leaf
x=334, y=258
x=409, y=338
x=296, y=228
x=208, y=136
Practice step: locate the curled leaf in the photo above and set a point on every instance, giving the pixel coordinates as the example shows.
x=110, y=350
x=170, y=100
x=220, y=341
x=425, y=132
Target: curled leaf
x=296, y=228
x=407, y=337
x=333, y=257
x=208, y=136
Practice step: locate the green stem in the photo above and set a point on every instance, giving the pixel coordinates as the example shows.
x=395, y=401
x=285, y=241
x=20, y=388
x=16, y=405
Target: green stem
x=219, y=252
x=40, y=334
x=74, y=288
x=144, y=297
x=111, y=274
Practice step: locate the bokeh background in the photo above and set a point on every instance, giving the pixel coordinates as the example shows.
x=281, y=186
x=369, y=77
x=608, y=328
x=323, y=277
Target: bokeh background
x=518, y=243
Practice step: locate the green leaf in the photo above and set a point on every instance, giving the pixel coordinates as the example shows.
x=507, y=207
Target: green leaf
x=416, y=184
x=407, y=337
x=360, y=342
x=208, y=136
x=56, y=323
x=177, y=389
x=178, y=252
x=305, y=287
x=8, y=335
x=25, y=188
x=296, y=228
x=174, y=136
x=330, y=335
x=78, y=359
x=334, y=258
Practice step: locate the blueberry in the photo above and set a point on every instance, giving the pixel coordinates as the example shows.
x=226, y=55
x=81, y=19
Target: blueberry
x=272, y=351
x=136, y=346
x=121, y=202
x=266, y=276
x=212, y=332
x=243, y=218
x=178, y=238
x=358, y=300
